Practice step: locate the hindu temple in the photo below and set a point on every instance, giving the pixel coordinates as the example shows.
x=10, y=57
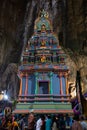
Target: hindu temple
x=43, y=72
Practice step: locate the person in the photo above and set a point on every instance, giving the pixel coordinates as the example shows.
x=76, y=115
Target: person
x=62, y=124
x=68, y=121
x=9, y=125
x=39, y=124
x=31, y=122
x=15, y=125
x=21, y=123
x=83, y=123
x=48, y=123
x=43, y=122
x=76, y=125
x=54, y=124
x=0, y=122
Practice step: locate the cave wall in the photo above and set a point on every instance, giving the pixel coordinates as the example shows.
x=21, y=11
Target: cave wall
x=76, y=24
x=69, y=18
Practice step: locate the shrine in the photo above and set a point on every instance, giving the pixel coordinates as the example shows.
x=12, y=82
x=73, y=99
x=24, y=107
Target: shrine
x=43, y=72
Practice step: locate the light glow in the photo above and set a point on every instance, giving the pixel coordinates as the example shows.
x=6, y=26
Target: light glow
x=6, y=97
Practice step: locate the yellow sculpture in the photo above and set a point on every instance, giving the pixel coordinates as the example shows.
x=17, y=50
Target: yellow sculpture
x=43, y=59
x=43, y=42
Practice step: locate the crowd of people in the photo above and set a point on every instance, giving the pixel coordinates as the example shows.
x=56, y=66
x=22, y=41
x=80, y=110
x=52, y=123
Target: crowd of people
x=42, y=122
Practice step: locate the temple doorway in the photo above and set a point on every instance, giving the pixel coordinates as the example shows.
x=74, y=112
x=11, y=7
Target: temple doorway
x=43, y=87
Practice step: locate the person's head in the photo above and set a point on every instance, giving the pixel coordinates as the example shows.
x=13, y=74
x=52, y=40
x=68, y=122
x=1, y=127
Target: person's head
x=82, y=118
x=42, y=117
x=54, y=118
x=76, y=117
x=49, y=116
x=31, y=116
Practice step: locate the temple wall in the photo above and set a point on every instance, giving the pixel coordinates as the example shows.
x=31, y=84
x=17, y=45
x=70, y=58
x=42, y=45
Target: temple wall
x=55, y=83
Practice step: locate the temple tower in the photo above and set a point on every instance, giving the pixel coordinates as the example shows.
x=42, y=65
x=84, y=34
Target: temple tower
x=43, y=72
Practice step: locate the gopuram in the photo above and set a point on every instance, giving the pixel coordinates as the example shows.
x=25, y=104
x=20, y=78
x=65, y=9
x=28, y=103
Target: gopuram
x=43, y=72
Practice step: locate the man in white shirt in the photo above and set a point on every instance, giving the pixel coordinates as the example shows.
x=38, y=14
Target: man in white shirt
x=38, y=124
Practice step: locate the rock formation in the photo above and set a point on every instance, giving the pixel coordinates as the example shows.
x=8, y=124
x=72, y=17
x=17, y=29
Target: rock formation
x=69, y=18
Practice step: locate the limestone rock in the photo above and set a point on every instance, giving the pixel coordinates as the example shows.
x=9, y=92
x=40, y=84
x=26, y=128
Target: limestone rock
x=17, y=17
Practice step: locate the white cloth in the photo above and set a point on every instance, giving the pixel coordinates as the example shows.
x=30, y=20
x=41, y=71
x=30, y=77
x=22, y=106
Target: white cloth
x=38, y=124
x=54, y=127
x=84, y=125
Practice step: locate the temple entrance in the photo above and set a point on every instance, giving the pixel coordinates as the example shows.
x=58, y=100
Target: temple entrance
x=43, y=87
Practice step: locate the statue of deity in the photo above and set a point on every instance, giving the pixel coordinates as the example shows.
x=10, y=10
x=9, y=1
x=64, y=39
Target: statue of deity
x=43, y=28
x=43, y=59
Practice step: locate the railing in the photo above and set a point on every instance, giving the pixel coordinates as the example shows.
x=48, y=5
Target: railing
x=44, y=98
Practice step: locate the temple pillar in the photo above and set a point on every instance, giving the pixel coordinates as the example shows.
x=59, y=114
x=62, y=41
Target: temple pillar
x=26, y=87
x=61, y=89
x=36, y=77
x=20, y=91
x=66, y=81
x=50, y=85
